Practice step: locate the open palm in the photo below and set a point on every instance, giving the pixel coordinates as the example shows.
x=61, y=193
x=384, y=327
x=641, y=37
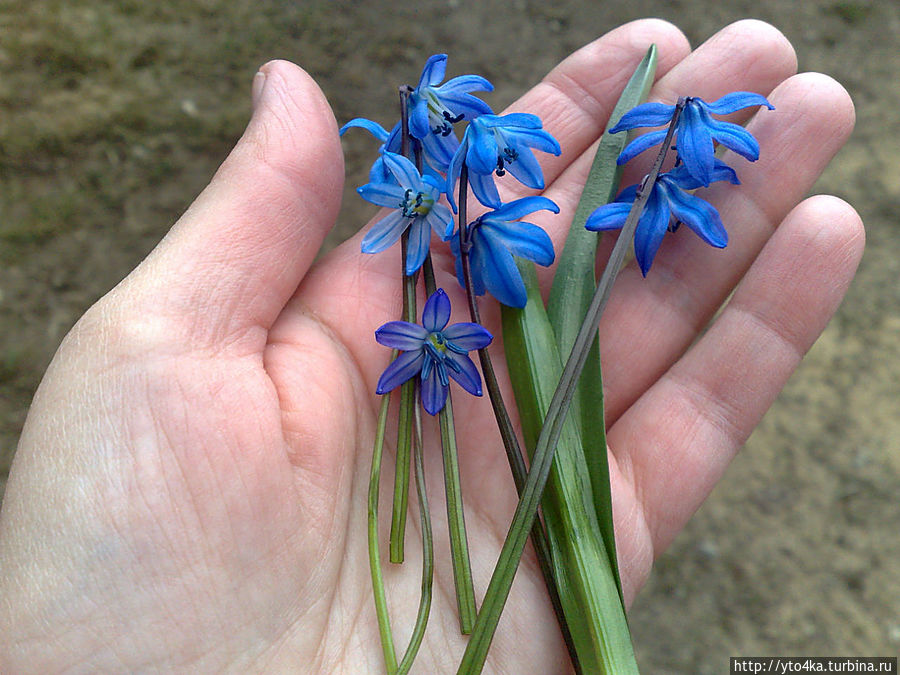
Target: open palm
x=189, y=492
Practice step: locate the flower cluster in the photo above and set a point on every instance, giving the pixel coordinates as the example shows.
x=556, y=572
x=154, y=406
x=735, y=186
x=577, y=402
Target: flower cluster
x=491, y=146
x=669, y=202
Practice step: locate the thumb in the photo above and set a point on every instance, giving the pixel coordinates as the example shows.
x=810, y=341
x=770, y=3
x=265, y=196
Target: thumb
x=229, y=265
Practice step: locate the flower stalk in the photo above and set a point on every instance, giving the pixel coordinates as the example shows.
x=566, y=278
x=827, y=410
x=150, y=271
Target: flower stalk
x=514, y=454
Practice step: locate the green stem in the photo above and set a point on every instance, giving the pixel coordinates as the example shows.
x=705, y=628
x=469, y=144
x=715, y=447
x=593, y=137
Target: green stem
x=456, y=522
x=459, y=544
x=427, y=552
x=381, y=609
x=404, y=426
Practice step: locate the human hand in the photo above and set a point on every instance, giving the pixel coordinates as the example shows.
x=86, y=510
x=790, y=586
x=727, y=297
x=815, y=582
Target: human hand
x=189, y=490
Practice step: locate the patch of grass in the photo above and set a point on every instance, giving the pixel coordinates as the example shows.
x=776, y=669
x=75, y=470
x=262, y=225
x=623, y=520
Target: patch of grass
x=850, y=12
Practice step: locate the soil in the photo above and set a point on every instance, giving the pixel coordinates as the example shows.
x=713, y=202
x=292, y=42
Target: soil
x=114, y=115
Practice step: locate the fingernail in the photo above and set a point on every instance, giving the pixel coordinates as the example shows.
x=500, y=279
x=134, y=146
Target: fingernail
x=259, y=82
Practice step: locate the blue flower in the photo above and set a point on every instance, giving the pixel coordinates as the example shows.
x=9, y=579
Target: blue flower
x=500, y=143
x=695, y=131
x=415, y=199
x=668, y=198
x=495, y=237
x=435, y=108
x=434, y=351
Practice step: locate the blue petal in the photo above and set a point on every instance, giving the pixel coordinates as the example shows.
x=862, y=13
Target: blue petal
x=521, y=207
x=481, y=157
x=628, y=194
x=403, y=170
x=485, y=189
x=419, y=126
x=417, y=245
x=469, y=106
x=522, y=239
x=526, y=169
x=401, y=335
x=454, y=169
x=737, y=100
x=382, y=194
x=404, y=367
x=681, y=177
x=468, y=336
x=641, y=143
x=537, y=139
x=433, y=72
x=610, y=216
x=373, y=128
x=463, y=84
x=439, y=149
x=434, y=394
x=465, y=373
x=440, y=220
x=475, y=267
x=524, y=120
x=436, y=313
x=646, y=115
x=501, y=276
x=385, y=232
x=694, y=145
x=698, y=214
x=650, y=230
x=735, y=138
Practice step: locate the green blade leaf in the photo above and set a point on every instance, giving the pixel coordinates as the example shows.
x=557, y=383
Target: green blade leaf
x=573, y=288
x=584, y=572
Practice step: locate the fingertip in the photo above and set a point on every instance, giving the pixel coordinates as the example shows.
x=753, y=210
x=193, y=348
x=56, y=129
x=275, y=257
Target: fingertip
x=834, y=232
x=671, y=43
x=293, y=128
x=767, y=39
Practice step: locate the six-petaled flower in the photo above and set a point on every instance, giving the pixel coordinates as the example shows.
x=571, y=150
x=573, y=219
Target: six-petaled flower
x=497, y=144
x=695, y=131
x=435, y=108
x=414, y=199
x=667, y=199
x=434, y=351
x=494, y=238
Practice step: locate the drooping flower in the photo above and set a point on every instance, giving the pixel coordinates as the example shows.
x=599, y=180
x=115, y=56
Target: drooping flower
x=435, y=108
x=695, y=131
x=434, y=351
x=415, y=200
x=667, y=199
x=497, y=144
x=495, y=238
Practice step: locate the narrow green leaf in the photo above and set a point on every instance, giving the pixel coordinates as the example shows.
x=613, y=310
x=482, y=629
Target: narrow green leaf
x=573, y=288
x=584, y=571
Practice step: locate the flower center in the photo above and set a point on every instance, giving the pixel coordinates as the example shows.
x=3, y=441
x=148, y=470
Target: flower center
x=436, y=346
x=415, y=203
x=441, y=119
x=507, y=155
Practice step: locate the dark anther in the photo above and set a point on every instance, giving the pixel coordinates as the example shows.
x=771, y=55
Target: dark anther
x=500, y=170
x=510, y=154
x=453, y=120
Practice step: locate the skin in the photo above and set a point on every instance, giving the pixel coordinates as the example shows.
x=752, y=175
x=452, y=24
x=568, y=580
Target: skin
x=189, y=491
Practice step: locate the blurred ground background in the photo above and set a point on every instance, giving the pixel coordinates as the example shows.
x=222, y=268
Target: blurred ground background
x=114, y=115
